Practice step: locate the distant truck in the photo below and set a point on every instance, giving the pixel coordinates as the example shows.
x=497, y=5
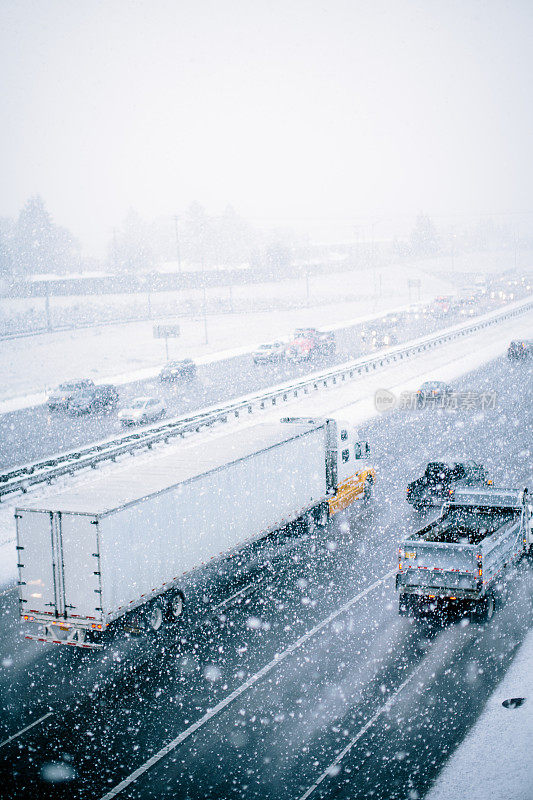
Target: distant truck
x=439, y=478
x=308, y=343
x=124, y=548
x=454, y=562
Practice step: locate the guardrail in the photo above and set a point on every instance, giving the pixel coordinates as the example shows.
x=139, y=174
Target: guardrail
x=22, y=478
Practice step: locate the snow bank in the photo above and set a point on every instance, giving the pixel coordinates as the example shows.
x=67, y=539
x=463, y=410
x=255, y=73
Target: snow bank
x=495, y=760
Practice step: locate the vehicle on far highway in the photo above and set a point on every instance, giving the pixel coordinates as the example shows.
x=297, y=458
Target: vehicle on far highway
x=178, y=370
x=60, y=398
x=432, y=392
x=520, y=350
x=94, y=398
x=439, y=477
x=142, y=410
x=309, y=342
x=269, y=353
x=443, y=304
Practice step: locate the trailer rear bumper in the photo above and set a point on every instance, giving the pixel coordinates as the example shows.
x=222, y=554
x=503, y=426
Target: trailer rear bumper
x=71, y=637
x=438, y=593
x=50, y=640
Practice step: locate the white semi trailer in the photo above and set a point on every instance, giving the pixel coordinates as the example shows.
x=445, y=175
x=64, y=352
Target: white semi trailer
x=127, y=540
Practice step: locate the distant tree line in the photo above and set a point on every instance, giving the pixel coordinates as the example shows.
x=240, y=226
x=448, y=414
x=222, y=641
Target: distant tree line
x=198, y=239
x=425, y=240
x=34, y=244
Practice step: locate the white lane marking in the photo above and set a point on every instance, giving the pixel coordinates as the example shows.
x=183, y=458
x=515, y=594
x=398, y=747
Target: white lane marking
x=243, y=688
x=229, y=599
x=27, y=728
x=368, y=724
x=8, y=591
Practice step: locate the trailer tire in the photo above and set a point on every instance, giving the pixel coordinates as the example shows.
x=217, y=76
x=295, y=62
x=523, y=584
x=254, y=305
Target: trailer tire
x=175, y=606
x=154, y=617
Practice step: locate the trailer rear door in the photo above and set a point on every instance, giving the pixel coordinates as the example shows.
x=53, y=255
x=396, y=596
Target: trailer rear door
x=81, y=571
x=36, y=562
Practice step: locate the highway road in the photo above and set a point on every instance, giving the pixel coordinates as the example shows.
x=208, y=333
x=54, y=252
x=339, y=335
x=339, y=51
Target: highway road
x=306, y=682
x=35, y=433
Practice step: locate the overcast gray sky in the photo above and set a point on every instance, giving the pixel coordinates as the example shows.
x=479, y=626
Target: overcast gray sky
x=330, y=109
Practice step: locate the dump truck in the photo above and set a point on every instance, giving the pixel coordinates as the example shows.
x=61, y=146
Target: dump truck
x=122, y=548
x=453, y=563
x=440, y=477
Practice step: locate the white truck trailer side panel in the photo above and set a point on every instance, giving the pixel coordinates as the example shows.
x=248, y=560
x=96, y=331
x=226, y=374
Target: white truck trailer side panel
x=149, y=544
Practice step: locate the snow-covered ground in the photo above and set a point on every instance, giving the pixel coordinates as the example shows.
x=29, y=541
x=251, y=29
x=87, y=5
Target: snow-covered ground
x=495, y=761
x=128, y=351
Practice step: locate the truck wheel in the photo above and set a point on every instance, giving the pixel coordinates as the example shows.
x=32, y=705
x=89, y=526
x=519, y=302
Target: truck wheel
x=321, y=516
x=406, y=606
x=484, y=611
x=367, y=491
x=174, y=609
x=154, y=617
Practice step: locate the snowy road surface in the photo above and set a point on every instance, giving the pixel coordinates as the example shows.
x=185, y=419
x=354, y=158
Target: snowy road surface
x=368, y=705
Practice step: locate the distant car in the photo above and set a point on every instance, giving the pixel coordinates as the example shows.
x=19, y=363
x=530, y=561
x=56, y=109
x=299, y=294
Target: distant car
x=94, y=398
x=61, y=397
x=269, y=353
x=432, y=392
x=142, y=410
x=521, y=350
x=178, y=370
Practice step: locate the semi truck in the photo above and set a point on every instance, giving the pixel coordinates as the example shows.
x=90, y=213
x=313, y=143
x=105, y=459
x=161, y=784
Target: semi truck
x=454, y=562
x=126, y=544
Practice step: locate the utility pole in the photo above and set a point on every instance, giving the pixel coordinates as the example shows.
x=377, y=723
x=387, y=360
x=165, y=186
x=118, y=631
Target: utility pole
x=204, y=293
x=178, y=254
x=115, y=250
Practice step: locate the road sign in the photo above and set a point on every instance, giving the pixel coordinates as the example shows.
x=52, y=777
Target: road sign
x=166, y=331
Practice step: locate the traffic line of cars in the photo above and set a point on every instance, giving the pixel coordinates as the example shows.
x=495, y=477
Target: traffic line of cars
x=85, y=397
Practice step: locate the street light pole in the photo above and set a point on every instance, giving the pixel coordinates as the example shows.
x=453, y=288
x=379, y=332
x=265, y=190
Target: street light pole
x=178, y=254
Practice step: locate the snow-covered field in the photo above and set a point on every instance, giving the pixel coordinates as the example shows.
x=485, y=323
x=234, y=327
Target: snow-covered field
x=120, y=353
